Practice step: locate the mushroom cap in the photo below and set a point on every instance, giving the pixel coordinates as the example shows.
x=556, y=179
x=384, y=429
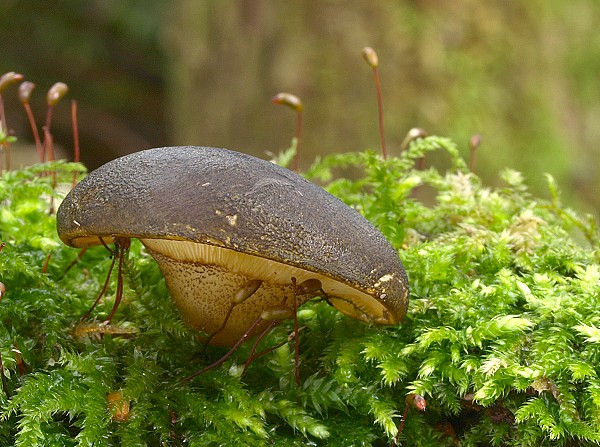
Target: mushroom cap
x=226, y=199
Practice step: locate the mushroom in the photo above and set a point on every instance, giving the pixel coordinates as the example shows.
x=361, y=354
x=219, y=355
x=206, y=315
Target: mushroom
x=219, y=222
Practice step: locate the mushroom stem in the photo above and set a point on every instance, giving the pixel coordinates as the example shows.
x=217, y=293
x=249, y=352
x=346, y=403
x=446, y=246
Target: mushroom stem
x=219, y=329
x=245, y=292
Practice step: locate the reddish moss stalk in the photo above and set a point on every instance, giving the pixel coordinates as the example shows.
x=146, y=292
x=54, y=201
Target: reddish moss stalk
x=474, y=144
x=25, y=92
x=55, y=94
x=371, y=58
x=293, y=102
x=6, y=80
x=75, y=126
x=415, y=401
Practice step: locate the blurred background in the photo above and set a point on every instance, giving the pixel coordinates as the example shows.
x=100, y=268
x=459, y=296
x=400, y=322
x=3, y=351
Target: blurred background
x=524, y=75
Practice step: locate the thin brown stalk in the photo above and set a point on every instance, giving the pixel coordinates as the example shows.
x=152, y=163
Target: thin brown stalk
x=371, y=58
x=293, y=102
x=74, y=125
x=229, y=353
x=298, y=135
x=2, y=129
x=3, y=377
x=474, y=144
x=47, y=135
x=380, y=110
x=25, y=92
x=34, y=130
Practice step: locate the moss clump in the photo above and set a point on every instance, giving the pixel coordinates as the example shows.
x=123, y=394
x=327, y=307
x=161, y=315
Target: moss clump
x=502, y=337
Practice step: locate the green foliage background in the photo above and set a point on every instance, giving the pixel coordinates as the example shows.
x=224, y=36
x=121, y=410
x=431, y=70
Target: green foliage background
x=502, y=336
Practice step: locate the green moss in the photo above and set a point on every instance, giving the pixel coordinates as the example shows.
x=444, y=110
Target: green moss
x=502, y=336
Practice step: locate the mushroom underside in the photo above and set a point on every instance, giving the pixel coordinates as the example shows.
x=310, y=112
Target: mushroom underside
x=203, y=279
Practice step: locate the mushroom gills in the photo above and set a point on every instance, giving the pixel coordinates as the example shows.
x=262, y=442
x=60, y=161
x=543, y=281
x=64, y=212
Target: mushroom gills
x=204, y=278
